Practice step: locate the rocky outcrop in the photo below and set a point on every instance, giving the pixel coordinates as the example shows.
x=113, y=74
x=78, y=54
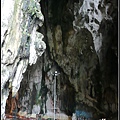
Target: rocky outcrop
x=80, y=38
x=20, y=45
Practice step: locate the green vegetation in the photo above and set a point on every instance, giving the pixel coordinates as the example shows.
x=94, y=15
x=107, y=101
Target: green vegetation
x=32, y=7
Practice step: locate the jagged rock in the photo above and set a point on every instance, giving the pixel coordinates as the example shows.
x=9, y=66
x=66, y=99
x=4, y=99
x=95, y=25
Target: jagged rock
x=17, y=25
x=78, y=39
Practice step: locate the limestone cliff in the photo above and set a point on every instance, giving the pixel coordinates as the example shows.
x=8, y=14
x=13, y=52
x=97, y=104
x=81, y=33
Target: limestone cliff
x=21, y=43
x=76, y=38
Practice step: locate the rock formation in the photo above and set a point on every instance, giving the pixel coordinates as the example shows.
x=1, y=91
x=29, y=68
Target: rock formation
x=77, y=38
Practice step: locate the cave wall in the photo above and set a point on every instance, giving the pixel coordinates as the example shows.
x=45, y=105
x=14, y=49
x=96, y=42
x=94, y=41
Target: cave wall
x=21, y=45
x=81, y=40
